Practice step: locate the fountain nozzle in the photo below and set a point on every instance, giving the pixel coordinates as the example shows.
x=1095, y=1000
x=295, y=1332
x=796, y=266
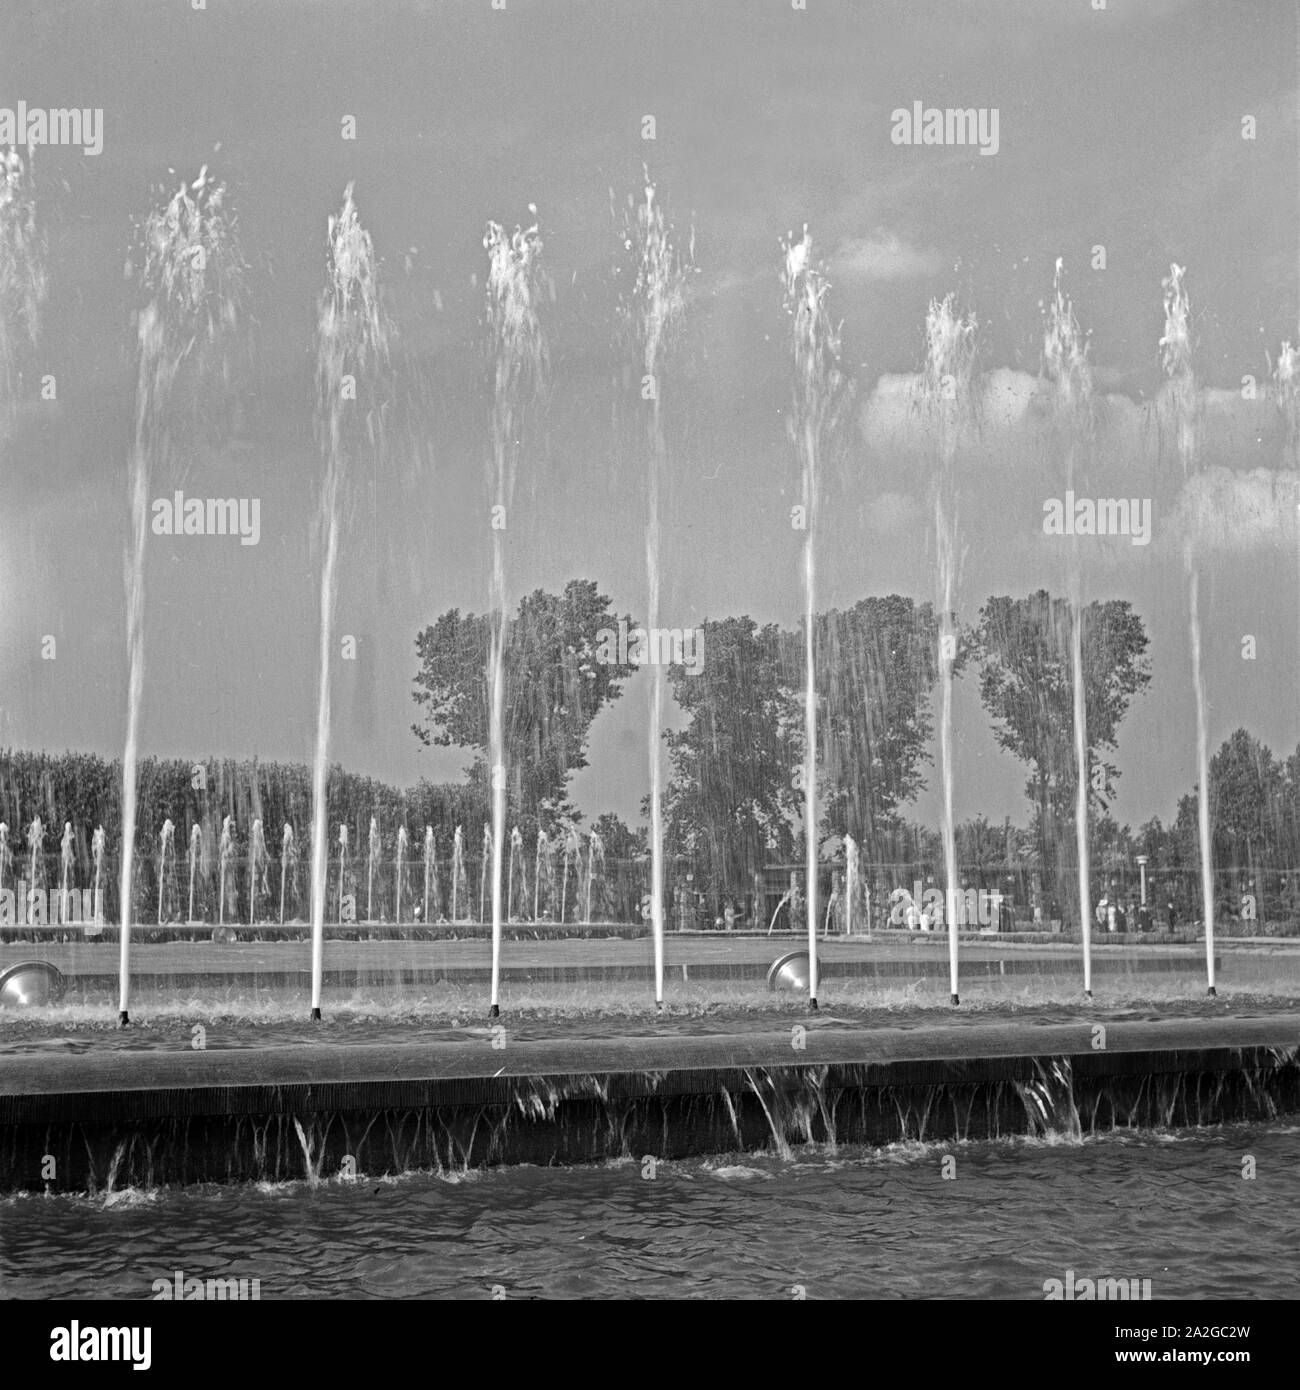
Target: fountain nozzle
x=315, y=1015
x=123, y=1020
x=955, y=1000
x=1211, y=993
x=495, y=1011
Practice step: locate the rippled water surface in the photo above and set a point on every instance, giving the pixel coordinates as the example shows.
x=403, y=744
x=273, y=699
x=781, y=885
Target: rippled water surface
x=1173, y=1208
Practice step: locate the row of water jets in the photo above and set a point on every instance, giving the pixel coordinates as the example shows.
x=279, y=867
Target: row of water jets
x=567, y=858
x=191, y=315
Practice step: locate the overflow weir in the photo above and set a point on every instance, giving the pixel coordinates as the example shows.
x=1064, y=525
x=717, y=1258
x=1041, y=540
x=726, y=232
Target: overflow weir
x=145, y=1117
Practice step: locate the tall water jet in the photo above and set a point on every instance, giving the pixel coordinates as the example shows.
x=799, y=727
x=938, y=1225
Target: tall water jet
x=191, y=286
x=97, y=842
x=258, y=859
x=1176, y=358
x=5, y=853
x=352, y=355
x=485, y=869
x=851, y=882
x=36, y=851
x=945, y=397
x=1065, y=354
x=196, y=846
x=572, y=855
x=516, y=858
x=288, y=858
x=538, y=861
x=595, y=860
x=372, y=858
x=401, y=855
x=517, y=362
x=819, y=387
x=432, y=891
x=343, y=873
x=226, y=851
x=66, y=860
x=165, y=839
x=459, y=885
x=23, y=283
x=652, y=310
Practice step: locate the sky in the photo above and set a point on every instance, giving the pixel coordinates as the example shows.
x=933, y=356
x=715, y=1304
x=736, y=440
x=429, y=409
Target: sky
x=1119, y=128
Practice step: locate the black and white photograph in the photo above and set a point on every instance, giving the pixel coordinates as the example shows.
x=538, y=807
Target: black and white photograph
x=649, y=650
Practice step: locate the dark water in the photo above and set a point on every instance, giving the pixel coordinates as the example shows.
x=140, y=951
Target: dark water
x=1173, y=1208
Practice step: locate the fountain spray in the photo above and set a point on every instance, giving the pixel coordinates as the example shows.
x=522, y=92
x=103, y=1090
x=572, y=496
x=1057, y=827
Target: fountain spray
x=516, y=855
x=457, y=871
x=191, y=286
x=945, y=394
x=537, y=874
x=257, y=858
x=343, y=871
x=1065, y=353
x=23, y=284
x=225, y=851
x=819, y=389
x=286, y=855
x=352, y=354
x=65, y=868
x=652, y=311
x=36, y=847
x=97, y=859
x=430, y=872
x=517, y=366
x=165, y=836
x=372, y=857
x=401, y=854
x=196, y=842
x=1176, y=358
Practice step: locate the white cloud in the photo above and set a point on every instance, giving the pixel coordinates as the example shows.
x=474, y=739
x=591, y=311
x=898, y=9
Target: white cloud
x=1225, y=513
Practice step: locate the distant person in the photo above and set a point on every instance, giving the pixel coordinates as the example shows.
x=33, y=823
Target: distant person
x=729, y=914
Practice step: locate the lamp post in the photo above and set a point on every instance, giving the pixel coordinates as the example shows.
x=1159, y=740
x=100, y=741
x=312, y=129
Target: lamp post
x=1142, y=871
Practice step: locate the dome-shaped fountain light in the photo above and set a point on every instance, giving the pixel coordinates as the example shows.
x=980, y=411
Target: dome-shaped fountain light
x=789, y=972
x=31, y=982
x=224, y=936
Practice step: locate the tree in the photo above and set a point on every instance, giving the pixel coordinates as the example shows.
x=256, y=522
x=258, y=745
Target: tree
x=1246, y=787
x=731, y=798
x=1026, y=685
x=876, y=665
x=620, y=841
x=556, y=682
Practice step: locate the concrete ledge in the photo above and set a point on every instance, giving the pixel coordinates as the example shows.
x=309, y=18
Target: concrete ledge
x=121, y=1084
